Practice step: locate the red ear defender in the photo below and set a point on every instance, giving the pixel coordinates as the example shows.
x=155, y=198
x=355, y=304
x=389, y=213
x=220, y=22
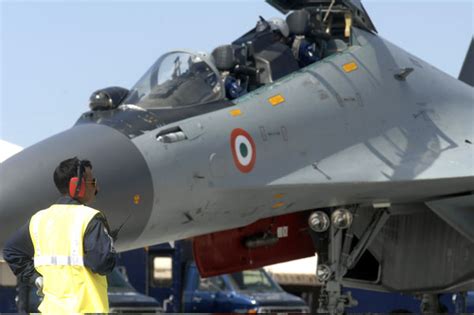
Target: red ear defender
x=73, y=186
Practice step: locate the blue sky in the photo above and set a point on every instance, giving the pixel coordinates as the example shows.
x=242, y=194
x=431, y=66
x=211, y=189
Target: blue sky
x=54, y=54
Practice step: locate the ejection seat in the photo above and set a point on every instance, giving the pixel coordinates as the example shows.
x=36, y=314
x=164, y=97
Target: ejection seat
x=257, y=58
x=274, y=62
x=305, y=27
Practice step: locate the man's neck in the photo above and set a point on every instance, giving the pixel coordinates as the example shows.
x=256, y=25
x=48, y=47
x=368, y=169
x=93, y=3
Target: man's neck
x=67, y=200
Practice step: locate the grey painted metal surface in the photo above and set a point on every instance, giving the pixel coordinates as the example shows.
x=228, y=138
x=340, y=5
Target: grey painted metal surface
x=400, y=141
x=458, y=212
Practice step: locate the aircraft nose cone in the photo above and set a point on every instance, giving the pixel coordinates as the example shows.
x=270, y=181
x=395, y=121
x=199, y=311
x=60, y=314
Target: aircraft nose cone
x=126, y=188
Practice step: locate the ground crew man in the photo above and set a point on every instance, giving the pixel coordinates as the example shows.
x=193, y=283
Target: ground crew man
x=66, y=250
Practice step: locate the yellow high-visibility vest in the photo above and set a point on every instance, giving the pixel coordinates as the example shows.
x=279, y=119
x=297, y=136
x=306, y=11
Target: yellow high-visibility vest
x=68, y=286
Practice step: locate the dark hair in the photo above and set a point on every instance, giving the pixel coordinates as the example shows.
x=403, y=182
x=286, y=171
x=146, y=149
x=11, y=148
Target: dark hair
x=66, y=170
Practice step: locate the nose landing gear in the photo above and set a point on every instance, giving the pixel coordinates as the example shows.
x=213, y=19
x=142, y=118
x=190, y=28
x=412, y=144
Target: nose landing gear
x=335, y=256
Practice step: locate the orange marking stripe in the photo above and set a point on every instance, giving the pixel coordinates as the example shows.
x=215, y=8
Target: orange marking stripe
x=136, y=199
x=276, y=100
x=278, y=205
x=349, y=67
x=236, y=112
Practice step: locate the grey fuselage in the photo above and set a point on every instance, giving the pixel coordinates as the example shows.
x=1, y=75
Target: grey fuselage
x=338, y=139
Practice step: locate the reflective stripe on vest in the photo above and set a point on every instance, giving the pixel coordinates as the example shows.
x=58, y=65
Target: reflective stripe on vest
x=58, y=261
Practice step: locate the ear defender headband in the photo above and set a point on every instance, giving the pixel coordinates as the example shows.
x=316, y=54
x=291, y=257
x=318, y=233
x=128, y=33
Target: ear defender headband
x=78, y=190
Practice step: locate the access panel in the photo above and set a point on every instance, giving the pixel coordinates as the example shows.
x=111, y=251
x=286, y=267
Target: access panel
x=265, y=242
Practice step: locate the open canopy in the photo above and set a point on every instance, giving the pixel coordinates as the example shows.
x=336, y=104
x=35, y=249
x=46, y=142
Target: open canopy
x=359, y=14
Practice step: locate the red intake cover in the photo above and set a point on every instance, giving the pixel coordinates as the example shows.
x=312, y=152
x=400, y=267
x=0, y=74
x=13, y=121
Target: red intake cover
x=225, y=252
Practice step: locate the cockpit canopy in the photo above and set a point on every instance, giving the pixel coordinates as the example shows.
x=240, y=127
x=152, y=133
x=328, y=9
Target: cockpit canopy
x=178, y=79
x=314, y=30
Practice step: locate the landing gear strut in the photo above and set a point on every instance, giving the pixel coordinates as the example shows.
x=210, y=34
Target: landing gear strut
x=336, y=235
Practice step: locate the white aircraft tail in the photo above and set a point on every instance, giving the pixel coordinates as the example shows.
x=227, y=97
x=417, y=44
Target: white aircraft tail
x=8, y=149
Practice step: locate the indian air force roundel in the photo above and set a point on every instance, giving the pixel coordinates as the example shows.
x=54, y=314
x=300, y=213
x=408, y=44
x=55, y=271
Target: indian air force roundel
x=243, y=150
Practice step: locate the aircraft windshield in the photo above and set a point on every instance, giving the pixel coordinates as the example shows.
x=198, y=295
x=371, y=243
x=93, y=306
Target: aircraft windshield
x=177, y=79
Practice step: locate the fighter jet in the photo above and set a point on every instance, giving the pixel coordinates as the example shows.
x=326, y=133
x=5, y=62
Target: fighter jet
x=318, y=137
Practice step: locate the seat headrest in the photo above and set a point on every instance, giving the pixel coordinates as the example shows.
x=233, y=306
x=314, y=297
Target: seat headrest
x=298, y=22
x=224, y=57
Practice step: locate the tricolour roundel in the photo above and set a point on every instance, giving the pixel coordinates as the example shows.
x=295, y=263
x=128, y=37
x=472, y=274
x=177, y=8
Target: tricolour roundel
x=243, y=150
